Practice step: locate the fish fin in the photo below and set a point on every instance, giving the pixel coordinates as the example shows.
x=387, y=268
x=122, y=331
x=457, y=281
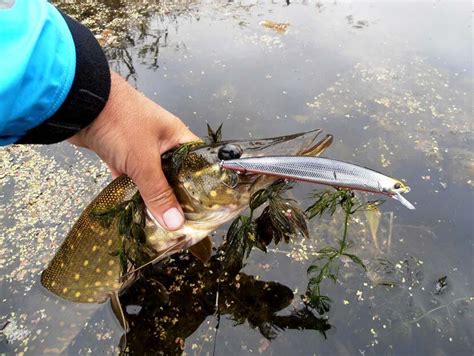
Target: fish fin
x=118, y=311
x=318, y=148
x=86, y=268
x=181, y=241
x=403, y=201
x=202, y=250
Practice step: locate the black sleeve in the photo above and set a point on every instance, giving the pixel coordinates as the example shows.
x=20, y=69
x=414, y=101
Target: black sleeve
x=88, y=95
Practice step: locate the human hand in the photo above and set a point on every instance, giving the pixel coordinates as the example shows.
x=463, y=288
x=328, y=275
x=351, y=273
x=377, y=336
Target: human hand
x=129, y=135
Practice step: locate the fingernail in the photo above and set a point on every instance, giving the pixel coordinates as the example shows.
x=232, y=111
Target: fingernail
x=173, y=218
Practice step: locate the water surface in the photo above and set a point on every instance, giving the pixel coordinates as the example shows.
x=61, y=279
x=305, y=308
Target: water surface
x=391, y=81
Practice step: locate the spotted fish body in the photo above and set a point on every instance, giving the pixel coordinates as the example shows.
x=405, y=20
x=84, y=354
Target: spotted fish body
x=86, y=268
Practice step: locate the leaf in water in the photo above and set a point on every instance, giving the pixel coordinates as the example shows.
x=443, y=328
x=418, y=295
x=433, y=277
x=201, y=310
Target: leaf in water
x=239, y=242
x=356, y=259
x=373, y=215
x=138, y=234
x=441, y=285
x=123, y=261
x=328, y=251
x=365, y=206
x=312, y=269
x=264, y=229
x=326, y=202
x=321, y=303
x=259, y=198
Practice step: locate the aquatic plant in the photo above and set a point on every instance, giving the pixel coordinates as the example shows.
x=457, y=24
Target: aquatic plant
x=281, y=219
x=326, y=265
x=129, y=218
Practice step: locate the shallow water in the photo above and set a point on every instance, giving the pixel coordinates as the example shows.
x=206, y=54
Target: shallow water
x=393, y=84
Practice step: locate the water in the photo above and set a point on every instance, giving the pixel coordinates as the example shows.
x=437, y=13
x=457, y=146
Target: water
x=391, y=81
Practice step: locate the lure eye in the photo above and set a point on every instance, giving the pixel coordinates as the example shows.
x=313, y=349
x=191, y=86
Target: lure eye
x=229, y=151
x=397, y=186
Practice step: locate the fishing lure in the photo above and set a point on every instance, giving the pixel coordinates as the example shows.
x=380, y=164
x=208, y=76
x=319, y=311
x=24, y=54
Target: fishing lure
x=322, y=171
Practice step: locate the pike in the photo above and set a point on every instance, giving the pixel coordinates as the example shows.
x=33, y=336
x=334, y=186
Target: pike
x=88, y=267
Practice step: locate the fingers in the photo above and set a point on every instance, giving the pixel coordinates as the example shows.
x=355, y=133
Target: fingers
x=172, y=130
x=157, y=194
x=130, y=135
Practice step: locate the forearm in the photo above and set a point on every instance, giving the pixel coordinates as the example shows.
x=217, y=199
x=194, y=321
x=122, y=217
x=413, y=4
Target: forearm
x=46, y=102
x=54, y=77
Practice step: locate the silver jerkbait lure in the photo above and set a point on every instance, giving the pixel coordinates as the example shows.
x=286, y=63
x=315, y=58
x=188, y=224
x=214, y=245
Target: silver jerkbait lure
x=323, y=171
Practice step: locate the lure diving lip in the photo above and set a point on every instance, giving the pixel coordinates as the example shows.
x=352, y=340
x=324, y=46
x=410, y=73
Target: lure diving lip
x=322, y=171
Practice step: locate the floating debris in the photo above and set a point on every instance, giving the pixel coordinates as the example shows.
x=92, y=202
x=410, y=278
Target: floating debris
x=441, y=285
x=279, y=27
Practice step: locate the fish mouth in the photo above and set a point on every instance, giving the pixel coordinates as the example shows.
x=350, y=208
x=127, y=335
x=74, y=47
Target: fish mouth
x=304, y=143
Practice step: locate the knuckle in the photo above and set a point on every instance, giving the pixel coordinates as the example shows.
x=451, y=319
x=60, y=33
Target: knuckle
x=162, y=197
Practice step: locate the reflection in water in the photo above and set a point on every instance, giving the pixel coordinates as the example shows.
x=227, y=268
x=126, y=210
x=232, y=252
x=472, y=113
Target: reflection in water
x=195, y=292
x=122, y=27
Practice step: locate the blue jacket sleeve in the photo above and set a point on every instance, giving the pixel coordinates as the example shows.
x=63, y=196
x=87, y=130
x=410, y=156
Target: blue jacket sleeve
x=45, y=57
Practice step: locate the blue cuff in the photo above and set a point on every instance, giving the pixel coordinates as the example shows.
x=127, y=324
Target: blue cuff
x=37, y=66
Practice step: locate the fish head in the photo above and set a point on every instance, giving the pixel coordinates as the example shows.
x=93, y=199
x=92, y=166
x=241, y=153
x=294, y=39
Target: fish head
x=202, y=186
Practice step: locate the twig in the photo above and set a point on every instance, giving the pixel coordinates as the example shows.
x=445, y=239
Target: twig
x=218, y=318
x=441, y=307
x=390, y=229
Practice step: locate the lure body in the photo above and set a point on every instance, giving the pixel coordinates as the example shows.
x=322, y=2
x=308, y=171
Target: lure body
x=321, y=170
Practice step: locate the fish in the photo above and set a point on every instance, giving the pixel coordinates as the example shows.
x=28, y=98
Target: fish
x=324, y=171
x=87, y=268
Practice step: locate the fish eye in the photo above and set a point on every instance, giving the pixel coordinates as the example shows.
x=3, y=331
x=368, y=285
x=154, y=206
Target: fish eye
x=397, y=186
x=229, y=151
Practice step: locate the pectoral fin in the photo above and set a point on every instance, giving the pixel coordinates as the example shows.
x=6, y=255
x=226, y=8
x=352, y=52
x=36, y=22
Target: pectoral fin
x=118, y=311
x=202, y=250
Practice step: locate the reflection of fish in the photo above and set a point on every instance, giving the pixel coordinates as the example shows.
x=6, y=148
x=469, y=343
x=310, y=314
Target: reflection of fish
x=278, y=27
x=194, y=290
x=88, y=265
x=323, y=171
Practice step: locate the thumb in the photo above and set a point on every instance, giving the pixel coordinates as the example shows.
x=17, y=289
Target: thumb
x=158, y=195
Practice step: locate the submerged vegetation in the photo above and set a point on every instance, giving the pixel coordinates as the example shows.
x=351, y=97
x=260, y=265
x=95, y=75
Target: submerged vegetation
x=129, y=217
x=327, y=263
x=281, y=219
